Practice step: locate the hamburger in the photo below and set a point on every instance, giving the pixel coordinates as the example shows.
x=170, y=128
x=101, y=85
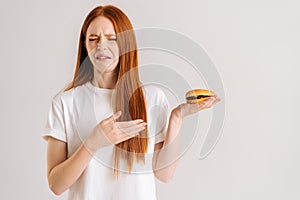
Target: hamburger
x=198, y=95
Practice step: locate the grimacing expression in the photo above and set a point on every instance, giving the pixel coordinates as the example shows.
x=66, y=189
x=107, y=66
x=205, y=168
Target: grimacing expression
x=101, y=45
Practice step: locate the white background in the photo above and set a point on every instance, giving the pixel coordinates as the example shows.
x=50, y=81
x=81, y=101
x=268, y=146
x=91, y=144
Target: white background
x=255, y=47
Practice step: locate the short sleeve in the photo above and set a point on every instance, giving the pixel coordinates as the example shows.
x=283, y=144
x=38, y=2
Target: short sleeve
x=55, y=125
x=160, y=115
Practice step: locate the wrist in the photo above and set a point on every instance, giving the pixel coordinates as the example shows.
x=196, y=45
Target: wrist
x=92, y=142
x=90, y=146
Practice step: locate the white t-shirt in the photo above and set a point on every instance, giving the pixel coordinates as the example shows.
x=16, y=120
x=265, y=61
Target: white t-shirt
x=73, y=115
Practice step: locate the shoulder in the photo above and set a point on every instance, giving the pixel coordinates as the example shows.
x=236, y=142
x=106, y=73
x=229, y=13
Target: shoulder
x=66, y=97
x=63, y=96
x=154, y=94
x=153, y=90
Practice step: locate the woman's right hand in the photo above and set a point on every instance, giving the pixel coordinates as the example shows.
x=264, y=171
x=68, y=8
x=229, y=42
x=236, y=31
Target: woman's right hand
x=109, y=132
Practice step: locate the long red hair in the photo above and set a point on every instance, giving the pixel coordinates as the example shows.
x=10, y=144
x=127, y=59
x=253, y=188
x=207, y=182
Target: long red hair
x=129, y=97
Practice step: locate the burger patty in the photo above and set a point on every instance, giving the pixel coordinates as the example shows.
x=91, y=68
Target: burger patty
x=197, y=97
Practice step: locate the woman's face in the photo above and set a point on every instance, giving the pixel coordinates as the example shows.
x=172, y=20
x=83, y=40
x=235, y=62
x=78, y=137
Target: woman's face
x=101, y=45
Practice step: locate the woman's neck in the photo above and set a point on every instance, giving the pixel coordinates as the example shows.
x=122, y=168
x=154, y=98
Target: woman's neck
x=106, y=80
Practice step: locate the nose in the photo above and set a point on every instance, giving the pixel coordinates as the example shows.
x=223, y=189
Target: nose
x=102, y=40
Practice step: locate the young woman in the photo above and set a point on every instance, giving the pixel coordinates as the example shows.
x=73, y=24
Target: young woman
x=103, y=143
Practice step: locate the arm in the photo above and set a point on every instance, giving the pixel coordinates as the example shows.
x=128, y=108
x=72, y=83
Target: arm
x=167, y=154
x=62, y=172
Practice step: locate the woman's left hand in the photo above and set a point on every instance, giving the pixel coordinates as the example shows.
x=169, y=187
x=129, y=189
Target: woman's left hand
x=186, y=109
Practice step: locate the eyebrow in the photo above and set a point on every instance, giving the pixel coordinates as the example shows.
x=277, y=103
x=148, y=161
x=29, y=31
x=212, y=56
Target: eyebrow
x=107, y=35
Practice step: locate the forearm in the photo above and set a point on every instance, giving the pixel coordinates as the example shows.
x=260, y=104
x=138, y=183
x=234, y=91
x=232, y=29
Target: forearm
x=62, y=176
x=168, y=157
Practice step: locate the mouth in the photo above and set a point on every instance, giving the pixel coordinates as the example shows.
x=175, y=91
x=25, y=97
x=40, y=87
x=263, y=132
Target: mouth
x=102, y=57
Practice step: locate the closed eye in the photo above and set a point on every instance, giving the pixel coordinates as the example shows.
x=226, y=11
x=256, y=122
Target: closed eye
x=93, y=38
x=110, y=37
